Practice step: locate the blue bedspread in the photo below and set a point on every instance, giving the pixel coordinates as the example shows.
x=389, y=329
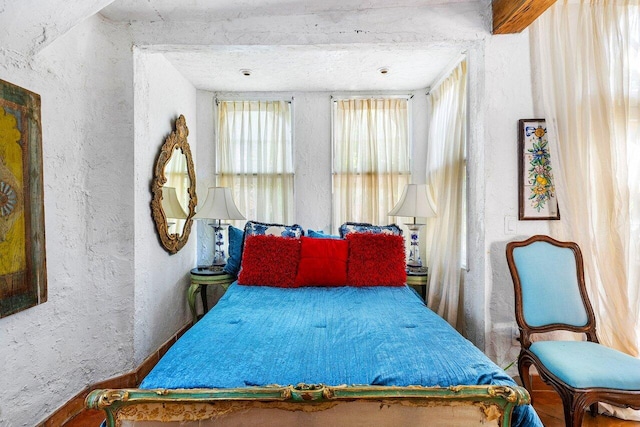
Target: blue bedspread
x=258, y=336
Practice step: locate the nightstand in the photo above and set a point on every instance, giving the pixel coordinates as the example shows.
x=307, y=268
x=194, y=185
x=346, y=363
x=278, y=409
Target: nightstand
x=419, y=278
x=200, y=279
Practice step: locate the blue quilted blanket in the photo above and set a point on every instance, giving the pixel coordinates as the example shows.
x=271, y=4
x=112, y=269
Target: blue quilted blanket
x=258, y=336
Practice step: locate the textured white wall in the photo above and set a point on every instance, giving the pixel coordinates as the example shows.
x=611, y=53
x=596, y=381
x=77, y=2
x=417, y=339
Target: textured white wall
x=312, y=136
x=83, y=332
x=161, y=94
x=46, y=21
x=509, y=97
x=473, y=296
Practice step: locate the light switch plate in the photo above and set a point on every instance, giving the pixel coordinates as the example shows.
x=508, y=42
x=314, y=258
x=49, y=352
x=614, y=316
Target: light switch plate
x=510, y=225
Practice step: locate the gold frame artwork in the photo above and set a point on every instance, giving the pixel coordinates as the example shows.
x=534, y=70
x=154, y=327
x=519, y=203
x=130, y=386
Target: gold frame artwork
x=177, y=140
x=23, y=272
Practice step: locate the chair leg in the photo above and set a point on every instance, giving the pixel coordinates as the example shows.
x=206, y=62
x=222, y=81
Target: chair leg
x=574, y=408
x=523, y=371
x=577, y=415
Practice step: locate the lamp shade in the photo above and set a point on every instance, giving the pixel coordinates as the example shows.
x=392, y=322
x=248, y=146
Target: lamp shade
x=170, y=204
x=415, y=201
x=218, y=205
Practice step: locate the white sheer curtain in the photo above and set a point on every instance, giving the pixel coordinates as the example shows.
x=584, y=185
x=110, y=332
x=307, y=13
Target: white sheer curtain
x=255, y=158
x=588, y=56
x=371, y=158
x=446, y=172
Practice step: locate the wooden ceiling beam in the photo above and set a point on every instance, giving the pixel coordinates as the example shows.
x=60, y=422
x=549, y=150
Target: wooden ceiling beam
x=513, y=16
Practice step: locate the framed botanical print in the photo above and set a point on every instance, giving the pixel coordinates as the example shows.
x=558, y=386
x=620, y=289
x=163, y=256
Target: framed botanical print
x=23, y=278
x=536, y=186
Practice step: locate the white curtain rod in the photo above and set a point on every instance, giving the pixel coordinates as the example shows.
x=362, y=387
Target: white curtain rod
x=252, y=99
x=374, y=96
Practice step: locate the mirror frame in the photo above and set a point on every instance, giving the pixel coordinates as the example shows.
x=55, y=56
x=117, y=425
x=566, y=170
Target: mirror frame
x=176, y=140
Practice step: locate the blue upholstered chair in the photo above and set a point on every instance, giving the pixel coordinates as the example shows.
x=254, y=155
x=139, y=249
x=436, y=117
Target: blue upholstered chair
x=550, y=294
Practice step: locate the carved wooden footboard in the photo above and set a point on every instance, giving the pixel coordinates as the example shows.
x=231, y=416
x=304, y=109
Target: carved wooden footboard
x=311, y=405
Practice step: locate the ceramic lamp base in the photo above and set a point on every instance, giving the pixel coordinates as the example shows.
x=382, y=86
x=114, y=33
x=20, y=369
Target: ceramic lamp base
x=218, y=242
x=414, y=260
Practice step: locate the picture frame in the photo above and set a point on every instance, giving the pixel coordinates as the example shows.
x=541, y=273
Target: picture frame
x=536, y=185
x=23, y=275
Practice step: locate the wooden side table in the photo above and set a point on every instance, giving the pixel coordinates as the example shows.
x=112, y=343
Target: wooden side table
x=200, y=279
x=419, y=278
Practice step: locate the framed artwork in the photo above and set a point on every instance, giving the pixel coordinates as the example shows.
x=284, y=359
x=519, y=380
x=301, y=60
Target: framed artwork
x=23, y=278
x=536, y=186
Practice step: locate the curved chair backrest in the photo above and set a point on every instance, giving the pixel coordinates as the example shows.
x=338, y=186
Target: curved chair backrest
x=548, y=280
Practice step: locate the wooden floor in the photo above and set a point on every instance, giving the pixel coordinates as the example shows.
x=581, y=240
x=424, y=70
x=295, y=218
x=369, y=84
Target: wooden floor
x=549, y=407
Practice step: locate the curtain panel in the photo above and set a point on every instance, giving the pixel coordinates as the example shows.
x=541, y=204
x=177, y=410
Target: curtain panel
x=255, y=158
x=371, y=158
x=588, y=56
x=446, y=174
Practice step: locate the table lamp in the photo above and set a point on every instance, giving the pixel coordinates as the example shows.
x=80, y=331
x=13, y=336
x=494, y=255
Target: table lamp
x=217, y=206
x=415, y=202
x=171, y=206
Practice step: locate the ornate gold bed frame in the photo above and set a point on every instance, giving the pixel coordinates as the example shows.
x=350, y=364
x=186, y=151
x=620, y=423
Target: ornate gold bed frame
x=489, y=405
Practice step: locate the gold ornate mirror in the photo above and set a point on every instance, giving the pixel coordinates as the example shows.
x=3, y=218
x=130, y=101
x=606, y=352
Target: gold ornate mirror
x=174, y=189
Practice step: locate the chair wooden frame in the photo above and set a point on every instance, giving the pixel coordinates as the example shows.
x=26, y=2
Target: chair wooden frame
x=574, y=400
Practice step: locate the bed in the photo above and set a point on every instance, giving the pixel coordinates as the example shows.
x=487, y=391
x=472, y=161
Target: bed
x=344, y=354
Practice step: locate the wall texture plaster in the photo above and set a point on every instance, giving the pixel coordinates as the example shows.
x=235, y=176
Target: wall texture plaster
x=509, y=98
x=47, y=21
x=161, y=94
x=83, y=332
x=446, y=23
x=474, y=322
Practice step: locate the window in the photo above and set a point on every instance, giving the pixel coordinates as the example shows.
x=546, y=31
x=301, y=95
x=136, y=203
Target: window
x=371, y=158
x=255, y=158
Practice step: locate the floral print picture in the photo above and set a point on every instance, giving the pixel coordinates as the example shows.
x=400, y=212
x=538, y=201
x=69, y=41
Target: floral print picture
x=537, y=187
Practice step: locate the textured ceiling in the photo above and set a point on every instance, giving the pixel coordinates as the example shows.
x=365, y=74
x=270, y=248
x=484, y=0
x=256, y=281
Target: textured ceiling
x=312, y=68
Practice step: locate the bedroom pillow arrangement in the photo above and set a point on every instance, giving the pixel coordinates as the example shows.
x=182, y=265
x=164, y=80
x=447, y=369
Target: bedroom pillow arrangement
x=323, y=262
x=253, y=228
x=281, y=256
x=270, y=261
x=376, y=260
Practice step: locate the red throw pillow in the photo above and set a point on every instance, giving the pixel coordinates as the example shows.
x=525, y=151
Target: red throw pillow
x=376, y=260
x=269, y=261
x=323, y=262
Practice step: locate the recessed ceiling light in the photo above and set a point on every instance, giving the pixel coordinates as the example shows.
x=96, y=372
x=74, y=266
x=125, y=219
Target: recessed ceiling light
x=245, y=72
x=383, y=70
